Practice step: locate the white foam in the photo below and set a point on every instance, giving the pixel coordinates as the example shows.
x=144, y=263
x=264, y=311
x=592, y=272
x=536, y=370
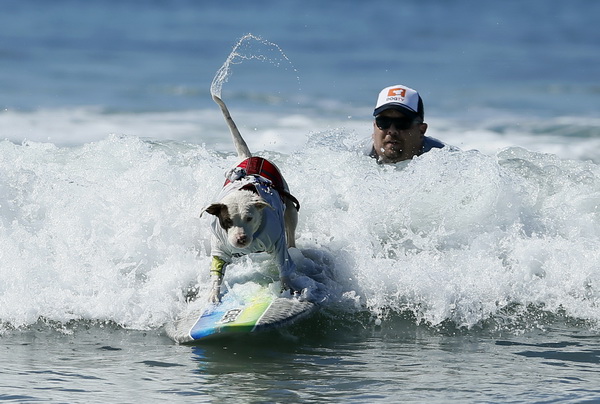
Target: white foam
x=108, y=230
x=79, y=126
x=567, y=137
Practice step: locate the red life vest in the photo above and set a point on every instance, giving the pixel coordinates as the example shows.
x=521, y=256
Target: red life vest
x=264, y=168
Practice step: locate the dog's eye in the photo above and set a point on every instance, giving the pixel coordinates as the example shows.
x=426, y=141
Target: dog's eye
x=249, y=218
x=227, y=223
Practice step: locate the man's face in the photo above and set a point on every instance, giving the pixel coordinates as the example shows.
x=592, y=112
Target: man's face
x=396, y=143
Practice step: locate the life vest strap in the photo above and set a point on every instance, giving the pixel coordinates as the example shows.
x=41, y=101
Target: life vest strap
x=268, y=170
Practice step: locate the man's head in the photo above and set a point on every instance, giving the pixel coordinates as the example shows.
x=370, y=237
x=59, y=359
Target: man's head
x=401, y=98
x=398, y=129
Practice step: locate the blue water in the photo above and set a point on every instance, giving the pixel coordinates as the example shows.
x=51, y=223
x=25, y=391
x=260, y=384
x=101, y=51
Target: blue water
x=467, y=276
x=124, y=56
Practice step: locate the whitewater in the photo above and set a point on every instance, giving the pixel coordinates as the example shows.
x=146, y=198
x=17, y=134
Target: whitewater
x=109, y=231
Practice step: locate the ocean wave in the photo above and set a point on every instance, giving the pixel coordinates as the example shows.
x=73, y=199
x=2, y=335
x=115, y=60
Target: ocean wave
x=109, y=231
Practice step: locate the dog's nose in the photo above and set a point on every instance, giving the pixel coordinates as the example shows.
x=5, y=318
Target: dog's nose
x=242, y=240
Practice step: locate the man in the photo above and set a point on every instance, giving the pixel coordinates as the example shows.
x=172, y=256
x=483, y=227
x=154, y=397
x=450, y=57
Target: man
x=399, y=129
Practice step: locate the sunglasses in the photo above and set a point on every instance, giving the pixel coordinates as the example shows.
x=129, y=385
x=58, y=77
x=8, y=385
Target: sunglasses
x=384, y=122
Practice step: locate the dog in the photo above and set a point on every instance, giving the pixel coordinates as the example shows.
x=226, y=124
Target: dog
x=255, y=213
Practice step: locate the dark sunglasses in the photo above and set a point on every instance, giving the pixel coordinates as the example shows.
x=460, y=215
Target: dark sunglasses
x=384, y=122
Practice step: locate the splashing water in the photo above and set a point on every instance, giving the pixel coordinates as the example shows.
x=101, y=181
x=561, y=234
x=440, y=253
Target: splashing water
x=110, y=232
x=243, y=50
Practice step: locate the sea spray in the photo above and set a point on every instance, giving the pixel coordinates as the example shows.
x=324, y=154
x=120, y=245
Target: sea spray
x=109, y=231
x=458, y=236
x=244, y=50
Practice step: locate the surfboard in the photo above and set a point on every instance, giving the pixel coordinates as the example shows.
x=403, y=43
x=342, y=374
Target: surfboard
x=238, y=315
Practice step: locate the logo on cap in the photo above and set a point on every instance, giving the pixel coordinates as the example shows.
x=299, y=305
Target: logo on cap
x=397, y=92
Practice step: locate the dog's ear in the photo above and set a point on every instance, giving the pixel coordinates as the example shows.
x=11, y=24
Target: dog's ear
x=260, y=204
x=214, y=209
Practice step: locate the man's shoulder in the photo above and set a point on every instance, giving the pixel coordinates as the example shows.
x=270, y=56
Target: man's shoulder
x=429, y=143
x=432, y=143
x=366, y=145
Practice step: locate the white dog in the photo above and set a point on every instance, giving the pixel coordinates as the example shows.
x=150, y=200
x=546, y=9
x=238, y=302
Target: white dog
x=255, y=213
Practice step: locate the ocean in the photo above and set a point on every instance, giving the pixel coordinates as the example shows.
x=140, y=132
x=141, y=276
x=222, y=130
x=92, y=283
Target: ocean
x=463, y=275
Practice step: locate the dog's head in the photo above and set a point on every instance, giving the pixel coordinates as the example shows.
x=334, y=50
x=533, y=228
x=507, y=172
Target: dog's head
x=240, y=214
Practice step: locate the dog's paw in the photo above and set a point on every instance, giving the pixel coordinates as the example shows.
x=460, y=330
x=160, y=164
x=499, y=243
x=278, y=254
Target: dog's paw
x=215, y=293
x=289, y=284
x=214, y=297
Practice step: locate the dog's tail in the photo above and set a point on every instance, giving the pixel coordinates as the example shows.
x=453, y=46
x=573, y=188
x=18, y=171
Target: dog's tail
x=240, y=145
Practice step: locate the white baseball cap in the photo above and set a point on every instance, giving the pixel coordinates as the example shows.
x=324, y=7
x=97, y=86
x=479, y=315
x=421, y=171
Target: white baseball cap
x=402, y=98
